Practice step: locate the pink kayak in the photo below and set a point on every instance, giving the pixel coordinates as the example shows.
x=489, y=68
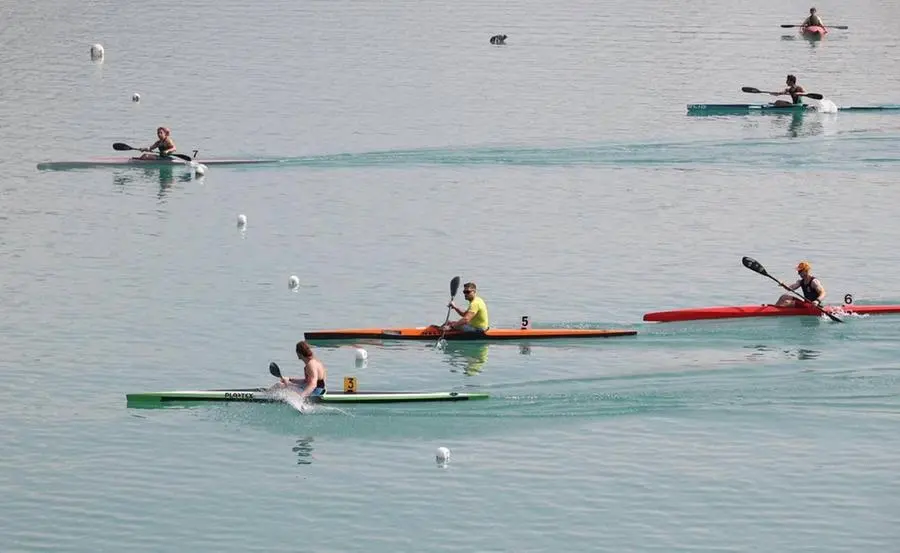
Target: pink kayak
x=744, y=311
x=813, y=31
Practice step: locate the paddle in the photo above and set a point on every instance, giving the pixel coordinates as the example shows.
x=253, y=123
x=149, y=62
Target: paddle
x=274, y=369
x=757, y=267
x=844, y=27
x=454, y=287
x=301, y=407
x=122, y=147
x=753, y=90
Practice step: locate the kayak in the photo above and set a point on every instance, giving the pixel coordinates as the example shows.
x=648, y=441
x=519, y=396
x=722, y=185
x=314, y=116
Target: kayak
x=262, y=395
x=137, y=162
x=745, y=109
x=813, y=32
x=434, y=332
x=764, y=310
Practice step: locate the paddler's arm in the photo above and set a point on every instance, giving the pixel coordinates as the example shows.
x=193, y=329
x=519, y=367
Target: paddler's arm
x=822, y=292
x=310, y=382
x=169, y=150
x=154, y=145
x=459, y=311
x=466, y=317
x=793, y=286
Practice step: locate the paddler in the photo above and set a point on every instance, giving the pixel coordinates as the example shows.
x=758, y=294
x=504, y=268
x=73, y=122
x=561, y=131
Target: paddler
x=813, y=291
x=475, y=317
x=813, y=20
x=793, y=90
x=164, y=144
x=314, y=374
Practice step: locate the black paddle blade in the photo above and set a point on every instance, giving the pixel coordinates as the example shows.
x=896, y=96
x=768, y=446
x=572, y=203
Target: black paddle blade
x=814, y=96
x=454, y=286
x=783, y=26
x=273, y=368
x=182, y=156
x=754, y=266
x=122, y=147
x=751, y=90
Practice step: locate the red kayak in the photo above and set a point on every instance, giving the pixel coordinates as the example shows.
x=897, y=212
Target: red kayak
x=813, y=31
x=744, y=311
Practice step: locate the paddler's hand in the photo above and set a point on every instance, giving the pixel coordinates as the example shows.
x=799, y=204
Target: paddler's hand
x=451, y=305
x=446, y=327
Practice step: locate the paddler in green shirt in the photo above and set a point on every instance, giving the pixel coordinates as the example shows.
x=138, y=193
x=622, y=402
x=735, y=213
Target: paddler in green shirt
x=475, y=317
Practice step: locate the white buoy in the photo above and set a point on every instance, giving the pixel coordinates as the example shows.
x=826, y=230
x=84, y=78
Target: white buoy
x=361, y=354
x=135, y=97
x=96, y=52
x=242, y=220
x=442, y=456
x=200, y=169
x=293, y=282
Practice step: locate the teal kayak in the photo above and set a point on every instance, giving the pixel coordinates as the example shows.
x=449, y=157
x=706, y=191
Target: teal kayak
x=744, y=109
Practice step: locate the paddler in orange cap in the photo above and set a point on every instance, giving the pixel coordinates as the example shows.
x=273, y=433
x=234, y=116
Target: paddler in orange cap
x=813, y=291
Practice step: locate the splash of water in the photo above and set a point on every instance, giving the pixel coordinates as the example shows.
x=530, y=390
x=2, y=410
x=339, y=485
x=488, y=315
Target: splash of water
x=827, y=106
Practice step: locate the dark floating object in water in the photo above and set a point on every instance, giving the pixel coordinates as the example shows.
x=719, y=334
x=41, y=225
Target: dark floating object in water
x=498, y=39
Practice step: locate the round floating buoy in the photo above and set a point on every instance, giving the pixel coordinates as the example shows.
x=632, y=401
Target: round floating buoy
x=242, y=220
x=96, y=52
x=361, y=354
x=293, y=282
x=442, y=456
x=135, y=97
x=200, y=169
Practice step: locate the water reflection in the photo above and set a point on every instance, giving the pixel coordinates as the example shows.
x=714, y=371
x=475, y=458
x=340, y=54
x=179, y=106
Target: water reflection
x=762, y=351
x=165, y=176
x=800, y=125
x=466, y=357
x=304, y=450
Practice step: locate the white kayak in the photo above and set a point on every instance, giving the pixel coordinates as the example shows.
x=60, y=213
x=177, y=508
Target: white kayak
x=137, y=162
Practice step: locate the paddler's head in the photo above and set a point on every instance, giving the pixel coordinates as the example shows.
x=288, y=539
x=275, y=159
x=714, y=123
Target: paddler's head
x=469, y=290
x=162, y=132
x=803, y=268
x=791, y=80
x=812, y=11
x=304, y=352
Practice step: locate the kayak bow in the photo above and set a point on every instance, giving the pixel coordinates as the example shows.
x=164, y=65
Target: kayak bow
x=814, y=32
x=491, y=335
x=745, y=311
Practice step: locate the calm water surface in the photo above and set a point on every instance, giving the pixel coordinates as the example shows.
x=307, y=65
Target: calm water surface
x=559, y=172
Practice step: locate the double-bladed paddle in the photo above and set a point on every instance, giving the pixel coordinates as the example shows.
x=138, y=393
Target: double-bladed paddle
x=454, y=287
x=757, y=267
x=122, y=147
x=844, y=27
x=753, y=90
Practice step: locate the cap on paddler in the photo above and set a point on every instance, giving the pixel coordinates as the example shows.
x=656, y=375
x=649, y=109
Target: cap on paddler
x=803, y=266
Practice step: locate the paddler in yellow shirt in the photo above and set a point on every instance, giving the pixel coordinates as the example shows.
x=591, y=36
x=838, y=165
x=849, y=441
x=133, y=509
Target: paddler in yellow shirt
x=475, y=317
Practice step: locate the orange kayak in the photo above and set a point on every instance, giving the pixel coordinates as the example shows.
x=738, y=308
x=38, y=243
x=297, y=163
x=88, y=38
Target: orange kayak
x=434, y=332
